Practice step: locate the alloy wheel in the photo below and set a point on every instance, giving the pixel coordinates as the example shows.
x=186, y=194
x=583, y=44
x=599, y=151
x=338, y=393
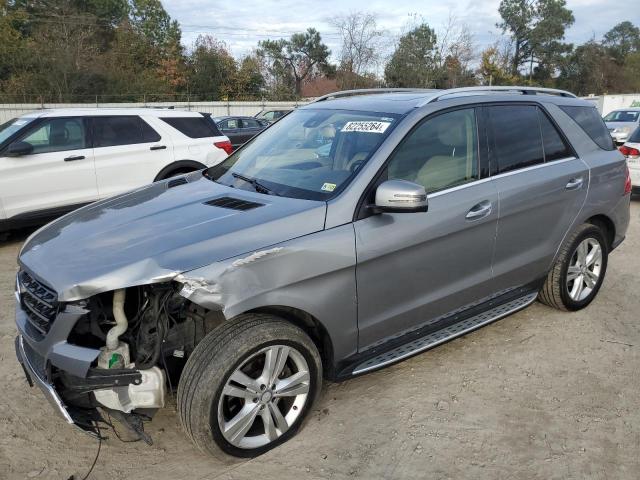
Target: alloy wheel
x=264, y=397
x=584, y=269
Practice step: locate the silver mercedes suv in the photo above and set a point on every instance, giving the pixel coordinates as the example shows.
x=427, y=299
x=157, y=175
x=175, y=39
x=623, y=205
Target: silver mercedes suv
x=357, y=231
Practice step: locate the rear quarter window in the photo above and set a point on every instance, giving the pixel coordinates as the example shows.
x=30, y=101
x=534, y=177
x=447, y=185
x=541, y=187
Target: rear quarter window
x=193, y=127
x=592, y=124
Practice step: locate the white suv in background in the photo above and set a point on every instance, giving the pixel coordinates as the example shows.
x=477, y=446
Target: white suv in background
x=631, y=150
x=54, y=161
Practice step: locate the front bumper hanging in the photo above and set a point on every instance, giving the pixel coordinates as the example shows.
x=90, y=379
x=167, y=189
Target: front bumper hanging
x=35, y=375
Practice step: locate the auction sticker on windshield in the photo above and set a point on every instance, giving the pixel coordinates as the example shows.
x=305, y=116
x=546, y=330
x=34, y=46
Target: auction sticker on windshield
x=366, y=126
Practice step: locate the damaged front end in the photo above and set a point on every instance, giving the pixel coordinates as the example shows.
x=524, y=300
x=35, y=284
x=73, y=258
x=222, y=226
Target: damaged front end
x=116, y=353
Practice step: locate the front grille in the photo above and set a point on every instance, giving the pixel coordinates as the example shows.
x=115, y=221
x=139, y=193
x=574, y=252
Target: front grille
x=39, y=302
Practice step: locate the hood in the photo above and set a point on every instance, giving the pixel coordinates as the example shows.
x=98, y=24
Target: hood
x=154, y=233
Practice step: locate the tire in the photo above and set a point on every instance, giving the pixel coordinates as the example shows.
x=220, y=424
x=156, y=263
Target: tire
x=563, y=292
x=175, y=173
x=208, y=398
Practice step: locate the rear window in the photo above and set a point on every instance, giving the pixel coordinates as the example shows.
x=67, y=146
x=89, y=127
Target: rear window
x=193, y=127
x=591, y=122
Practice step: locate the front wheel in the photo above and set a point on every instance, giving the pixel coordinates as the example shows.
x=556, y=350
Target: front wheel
x=248, y=386
x=579, y=270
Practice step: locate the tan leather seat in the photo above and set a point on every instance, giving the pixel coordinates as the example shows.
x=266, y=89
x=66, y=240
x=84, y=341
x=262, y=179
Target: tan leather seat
x=457, y=165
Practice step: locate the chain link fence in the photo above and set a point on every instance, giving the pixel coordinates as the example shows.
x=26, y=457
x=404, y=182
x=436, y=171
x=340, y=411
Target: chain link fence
x=12, y=106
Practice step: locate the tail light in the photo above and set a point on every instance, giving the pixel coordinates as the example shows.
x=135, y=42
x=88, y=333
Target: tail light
x=225, y=145
x=627, y=182
x=629, y=152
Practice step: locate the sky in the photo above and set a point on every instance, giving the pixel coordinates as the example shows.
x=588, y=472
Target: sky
x=242, y=24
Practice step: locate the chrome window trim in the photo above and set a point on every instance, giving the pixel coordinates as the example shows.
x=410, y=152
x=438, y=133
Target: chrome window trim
x=500, y=175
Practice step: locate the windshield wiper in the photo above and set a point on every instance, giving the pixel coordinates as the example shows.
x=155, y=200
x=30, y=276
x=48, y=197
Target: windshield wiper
x=258, y=187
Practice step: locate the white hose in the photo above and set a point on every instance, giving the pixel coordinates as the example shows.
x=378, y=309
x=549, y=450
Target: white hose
x=121, y=320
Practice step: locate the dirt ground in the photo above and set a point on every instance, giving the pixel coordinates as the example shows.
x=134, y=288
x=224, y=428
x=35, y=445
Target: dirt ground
x=538, y=395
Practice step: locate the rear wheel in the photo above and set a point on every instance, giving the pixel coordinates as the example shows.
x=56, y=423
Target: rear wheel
x=579, y=270
x=175, y=173
x=248, y=386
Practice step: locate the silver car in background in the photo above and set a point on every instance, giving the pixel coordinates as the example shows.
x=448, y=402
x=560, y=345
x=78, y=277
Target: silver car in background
x=622, y=123
x=355, y=232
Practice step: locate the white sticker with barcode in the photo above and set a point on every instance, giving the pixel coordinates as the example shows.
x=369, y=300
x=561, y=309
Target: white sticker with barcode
x=363, y=126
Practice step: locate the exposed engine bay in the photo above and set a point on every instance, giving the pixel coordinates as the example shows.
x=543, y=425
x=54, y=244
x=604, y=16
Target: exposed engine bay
x=145, y=335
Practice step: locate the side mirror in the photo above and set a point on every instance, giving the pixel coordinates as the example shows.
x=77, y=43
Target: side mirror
x=400, y=196
x=19, y=148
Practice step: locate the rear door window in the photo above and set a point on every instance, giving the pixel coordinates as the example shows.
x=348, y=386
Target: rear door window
x=592, y=124
x=516, y=138
x=250, y=123
x=555, y=147
x=193, y=127
x=122, y=130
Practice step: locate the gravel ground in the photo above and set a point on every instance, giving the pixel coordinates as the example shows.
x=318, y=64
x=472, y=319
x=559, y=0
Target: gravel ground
x=538, y=395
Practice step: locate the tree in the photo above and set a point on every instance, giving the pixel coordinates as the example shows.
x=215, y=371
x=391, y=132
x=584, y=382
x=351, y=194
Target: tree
x=301, y=57
x=589, y=69
x=622, y=40
x=361, y=47
x=249, y=80
x=455, y=51
x=495, y=66
x=152, y=22
x=414, y=62
x=212, y=69
x=535, y=27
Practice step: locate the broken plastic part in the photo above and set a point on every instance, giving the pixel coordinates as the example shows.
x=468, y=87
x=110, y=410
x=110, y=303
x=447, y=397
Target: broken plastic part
x=150, y=393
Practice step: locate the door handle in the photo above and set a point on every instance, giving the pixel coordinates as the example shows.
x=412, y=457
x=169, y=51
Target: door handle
x=74, y=158
x=479, y=210
x=158, y=147
x=574, y=183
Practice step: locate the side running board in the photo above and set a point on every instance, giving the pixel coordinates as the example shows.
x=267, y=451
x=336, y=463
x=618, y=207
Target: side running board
x=444, y=335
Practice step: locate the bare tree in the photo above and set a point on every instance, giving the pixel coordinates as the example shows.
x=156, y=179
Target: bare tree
x=361, y=47
x=456, y=41
x=455, y=52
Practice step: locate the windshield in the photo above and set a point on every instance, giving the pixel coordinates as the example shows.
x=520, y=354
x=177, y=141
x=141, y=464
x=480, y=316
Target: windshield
x=309, y=154
x=622, y=116
x=12, y=126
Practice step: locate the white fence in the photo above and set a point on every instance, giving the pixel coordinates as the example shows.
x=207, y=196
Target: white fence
x=12, y=110
x=607, y=103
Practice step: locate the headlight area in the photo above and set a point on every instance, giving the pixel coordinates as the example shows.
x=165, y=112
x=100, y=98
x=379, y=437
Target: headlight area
x=145, y=335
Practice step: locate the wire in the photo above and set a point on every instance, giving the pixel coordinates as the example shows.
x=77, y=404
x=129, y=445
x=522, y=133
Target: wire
x=95, y=460
x=113, y=427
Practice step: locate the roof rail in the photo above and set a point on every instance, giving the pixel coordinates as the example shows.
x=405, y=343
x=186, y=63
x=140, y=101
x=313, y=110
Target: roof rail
x=368, y=91
x=506, y=89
